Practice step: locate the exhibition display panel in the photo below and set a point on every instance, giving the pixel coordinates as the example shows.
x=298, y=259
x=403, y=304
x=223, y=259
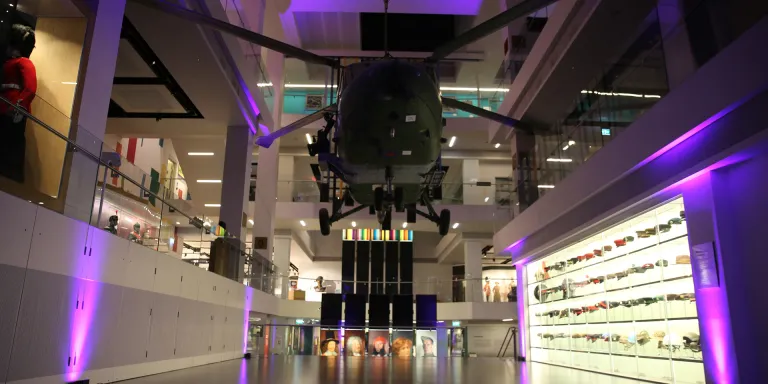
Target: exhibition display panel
x=620, y=302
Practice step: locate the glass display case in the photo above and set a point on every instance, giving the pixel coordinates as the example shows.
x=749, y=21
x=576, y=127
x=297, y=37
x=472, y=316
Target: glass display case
x=620, y=302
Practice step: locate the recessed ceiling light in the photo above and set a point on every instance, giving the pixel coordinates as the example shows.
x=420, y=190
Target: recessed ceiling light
x=177, y=223
x=453, y=141
x=571, y=142
x=497, y=145
x=559, y=160
x=354, y=224
x=41, y=203
x=546, y=186
x=455, y=225
x=303, y=224
x=405, y=225
x=200, y=153
x=213, y=205
x=309, y=138
x=508, y=320
x=209, y=181
x=487, y=198
x=250, y=221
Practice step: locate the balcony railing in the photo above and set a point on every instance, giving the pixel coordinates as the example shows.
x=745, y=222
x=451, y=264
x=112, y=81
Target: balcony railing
x=447, y=291
x=81, y=179
x=303, y=191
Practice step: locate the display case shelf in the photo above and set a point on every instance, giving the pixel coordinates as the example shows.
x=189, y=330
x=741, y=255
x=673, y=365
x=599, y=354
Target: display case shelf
x=601, y=260
x=627, y=355
x=615, y=322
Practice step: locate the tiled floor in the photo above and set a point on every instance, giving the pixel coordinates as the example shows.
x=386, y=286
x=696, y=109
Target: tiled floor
x=313, y=369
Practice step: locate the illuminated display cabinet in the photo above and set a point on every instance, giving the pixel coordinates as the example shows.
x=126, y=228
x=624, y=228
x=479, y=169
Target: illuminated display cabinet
x=620, y=302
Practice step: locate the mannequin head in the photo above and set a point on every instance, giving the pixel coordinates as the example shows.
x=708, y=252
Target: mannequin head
x=113, y=221
x=21, y=41
x=136, y=227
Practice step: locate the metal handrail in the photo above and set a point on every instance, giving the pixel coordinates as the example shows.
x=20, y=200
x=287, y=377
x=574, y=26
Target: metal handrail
x=88, y=153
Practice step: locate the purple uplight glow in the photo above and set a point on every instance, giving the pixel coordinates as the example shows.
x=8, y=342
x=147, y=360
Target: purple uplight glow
x=521, y=313
x=81, y=319
x=246, y=317
x=243, y=379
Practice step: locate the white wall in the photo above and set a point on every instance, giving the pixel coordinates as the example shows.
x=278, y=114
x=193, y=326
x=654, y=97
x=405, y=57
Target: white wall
x=485, y=340
x=70, y=291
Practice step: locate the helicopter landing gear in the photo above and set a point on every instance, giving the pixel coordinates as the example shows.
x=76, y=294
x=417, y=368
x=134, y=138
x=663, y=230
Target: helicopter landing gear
x=328, y=218
x=443, y=220
x=325, y=222
x=399, y=206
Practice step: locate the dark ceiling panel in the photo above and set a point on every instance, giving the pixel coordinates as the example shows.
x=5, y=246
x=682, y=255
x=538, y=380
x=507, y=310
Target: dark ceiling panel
x=146, y=89
x=406, y=32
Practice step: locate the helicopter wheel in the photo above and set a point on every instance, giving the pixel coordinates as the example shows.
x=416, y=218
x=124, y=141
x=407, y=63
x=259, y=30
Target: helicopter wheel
x=378, y=198
x=387, y=223
x=325, y=222
x=445, y=222
x=399, y=206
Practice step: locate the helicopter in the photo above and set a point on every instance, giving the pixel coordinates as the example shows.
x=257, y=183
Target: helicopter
x=388, y=122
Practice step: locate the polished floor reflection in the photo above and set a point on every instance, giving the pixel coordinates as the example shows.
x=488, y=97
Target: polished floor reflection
x=313, y=369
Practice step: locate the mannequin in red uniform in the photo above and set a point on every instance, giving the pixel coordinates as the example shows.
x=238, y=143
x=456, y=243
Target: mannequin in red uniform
x=19, y=86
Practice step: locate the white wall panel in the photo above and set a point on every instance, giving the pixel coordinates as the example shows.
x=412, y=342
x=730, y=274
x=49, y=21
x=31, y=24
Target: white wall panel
x=106, y=258
x=140, y=267
x=218, y=339
x=188, y=324
x=190, y=280
x=58, y=244
x=168, y=278
x=99, y=324
x=205, y=313
x=11, y=285
x=134, y=327
x=162, y=333
x=16, y=230
x=206, y=292
x=43, y=331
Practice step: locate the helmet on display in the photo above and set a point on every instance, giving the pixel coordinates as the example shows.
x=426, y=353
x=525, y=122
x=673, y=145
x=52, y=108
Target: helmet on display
x=692, y=341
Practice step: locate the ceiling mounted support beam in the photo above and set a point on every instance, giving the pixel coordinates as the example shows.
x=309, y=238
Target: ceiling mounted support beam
x=488, y=27
x=242, y=33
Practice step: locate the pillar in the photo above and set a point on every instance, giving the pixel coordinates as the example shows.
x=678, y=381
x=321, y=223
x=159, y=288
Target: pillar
x=268, y=169
x=678, y=56
x=726, y=208
x=236, y=179
x=523, y=148
x=89, y=116
x=286, y=187
x=473, y=271
x=470, y=175
x=281, y=258
x=522, y=320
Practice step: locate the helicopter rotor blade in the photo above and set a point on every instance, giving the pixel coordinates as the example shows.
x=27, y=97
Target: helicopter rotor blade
x=242, y=33
x=488, y=27
x=267, y=140
x=506, y=120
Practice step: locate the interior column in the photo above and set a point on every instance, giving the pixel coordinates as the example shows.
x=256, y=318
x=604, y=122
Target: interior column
x=92, y=104
x=236, y=179
x=523, y=147
x=473, y=271
x=282, y=259
x=267, y=170
x=470, y=175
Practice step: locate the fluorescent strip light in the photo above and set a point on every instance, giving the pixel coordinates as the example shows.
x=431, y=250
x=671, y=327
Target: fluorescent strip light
x=508, y=320
x=497, y=145
x=469, y=89
x=209, y=181
x=455, y=225
x=213, y=205
x=177, y=223
x=200, y=153
x=546, y=186
x=453, y=141
x=69, y=82
x=354, y=224
x=309, y=138
x=557, y=160
x=303, y=224
x=566, y=147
